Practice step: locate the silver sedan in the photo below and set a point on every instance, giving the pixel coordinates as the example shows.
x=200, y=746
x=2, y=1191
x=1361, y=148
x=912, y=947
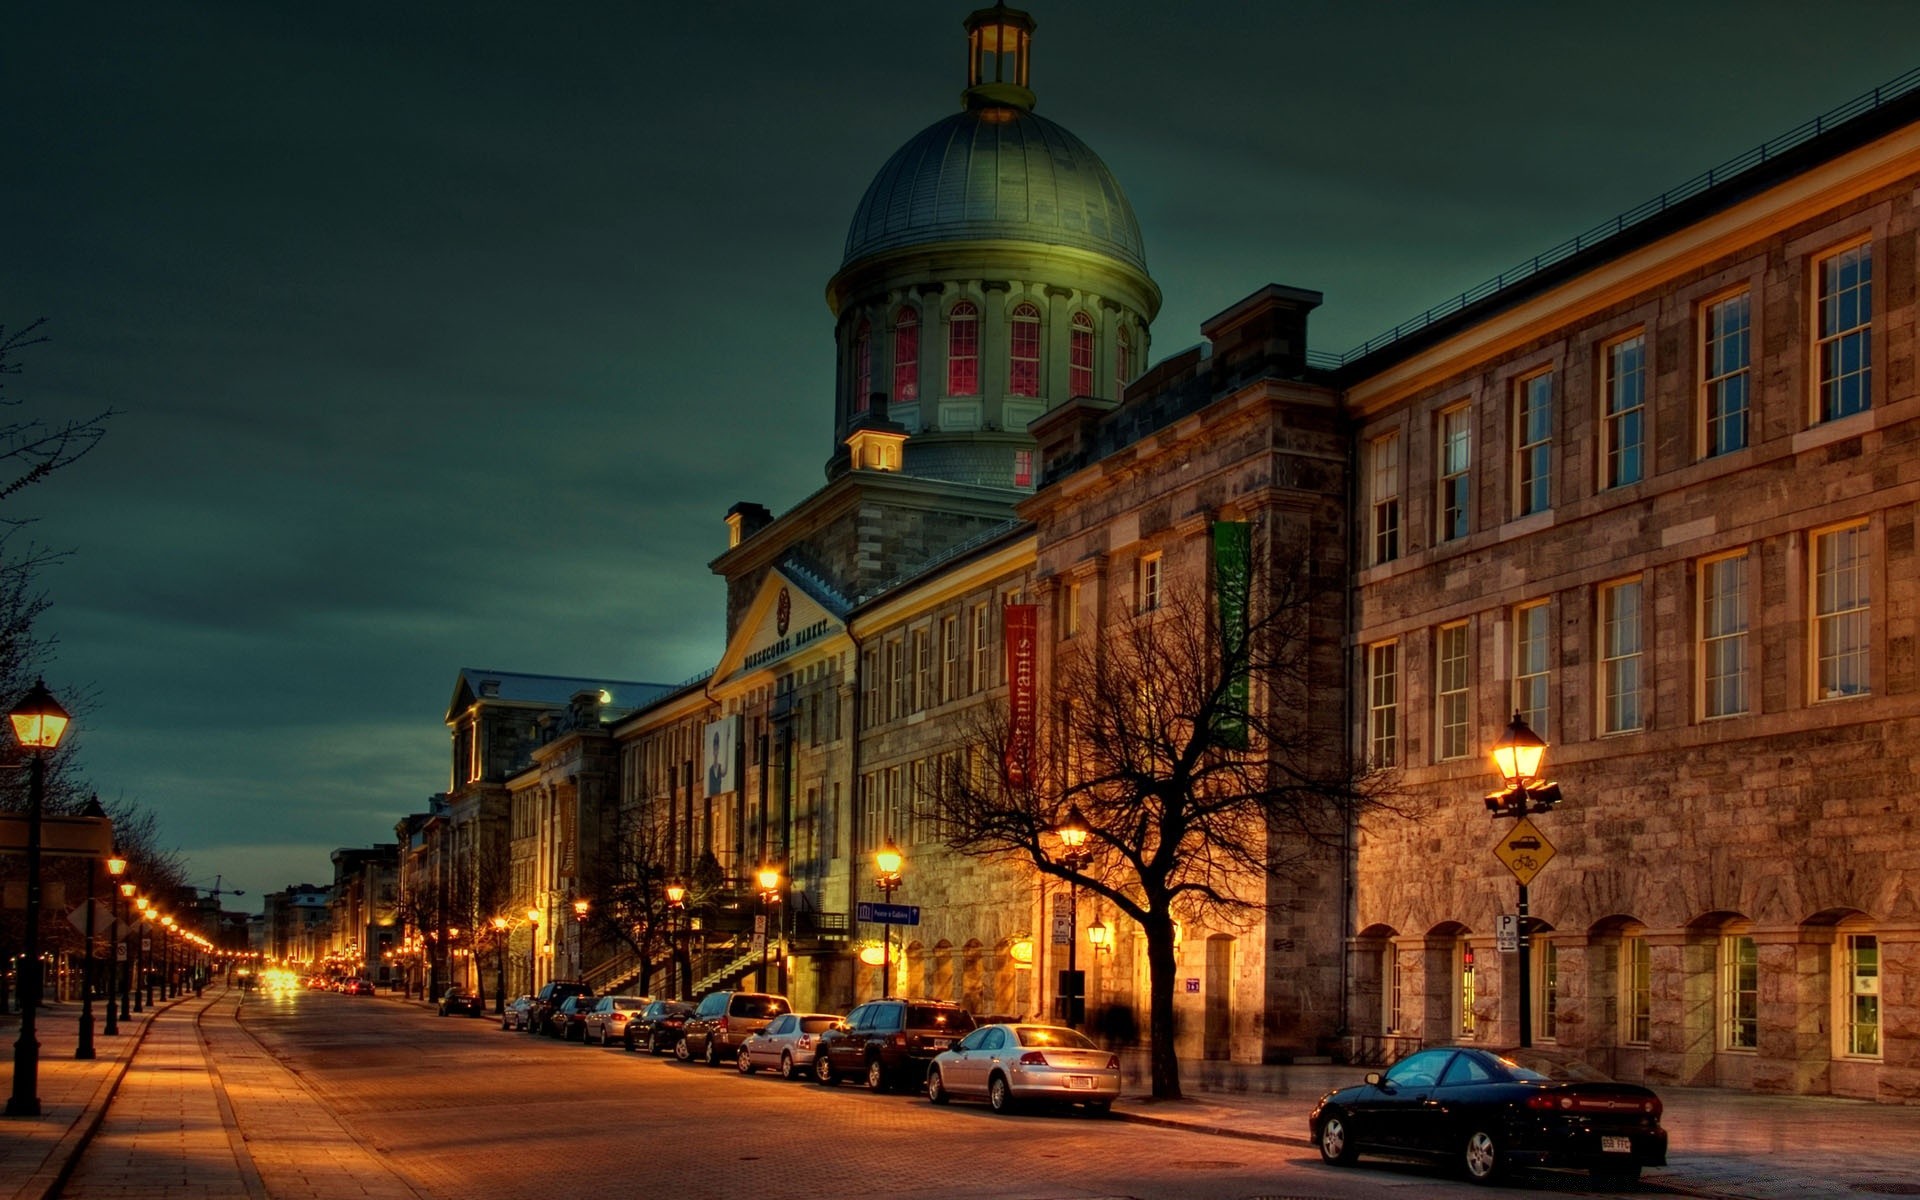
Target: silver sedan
x=1008, y=1065
x=786, y=1045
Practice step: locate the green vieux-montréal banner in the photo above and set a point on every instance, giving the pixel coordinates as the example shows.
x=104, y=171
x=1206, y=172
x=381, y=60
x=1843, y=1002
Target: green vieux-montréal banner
x=1232, y=550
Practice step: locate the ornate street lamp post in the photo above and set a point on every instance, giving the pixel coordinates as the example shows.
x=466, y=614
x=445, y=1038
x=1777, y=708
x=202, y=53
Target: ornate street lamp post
x=1517, y=756
x=500, y=966
x=116, y=867
x=889, y=866
x=769, y=880
x=38, y=723
x=533, y=950
x=676, y=914
x=580, y=910
x=1070, y=996
x=129, y=981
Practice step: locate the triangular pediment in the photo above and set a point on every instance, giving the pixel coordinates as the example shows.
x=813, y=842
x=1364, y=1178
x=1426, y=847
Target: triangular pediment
x=784, y=620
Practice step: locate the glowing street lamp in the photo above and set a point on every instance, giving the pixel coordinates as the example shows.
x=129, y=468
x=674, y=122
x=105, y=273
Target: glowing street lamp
x=533, y=950
x=676, y=890
x=38, y=723
x=116, y=867
x=889, y=867
x=129, y=981
x=769, y=880
x=1517, y=755
x=1071, y=993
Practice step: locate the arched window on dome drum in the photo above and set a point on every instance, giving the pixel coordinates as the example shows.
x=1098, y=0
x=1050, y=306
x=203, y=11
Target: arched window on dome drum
x=863, y=368
x=906, y=356
x=1080, y=345
x=1123, y=358
x=963, y=350
x=1023, y=374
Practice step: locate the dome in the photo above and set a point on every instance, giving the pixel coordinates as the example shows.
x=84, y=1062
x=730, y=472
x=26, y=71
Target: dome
x=993, y=172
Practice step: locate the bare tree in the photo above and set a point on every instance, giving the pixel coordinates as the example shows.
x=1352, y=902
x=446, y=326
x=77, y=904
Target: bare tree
x=629, y=880
x=1204, y=754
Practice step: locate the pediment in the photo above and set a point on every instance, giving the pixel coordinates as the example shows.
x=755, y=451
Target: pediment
x=783, y=620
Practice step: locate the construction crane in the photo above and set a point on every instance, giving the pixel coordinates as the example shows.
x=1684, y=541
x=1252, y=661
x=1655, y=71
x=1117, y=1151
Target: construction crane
x=216, y=890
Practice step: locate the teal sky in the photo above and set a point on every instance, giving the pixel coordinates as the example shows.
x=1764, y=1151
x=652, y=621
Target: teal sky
x=444, y=335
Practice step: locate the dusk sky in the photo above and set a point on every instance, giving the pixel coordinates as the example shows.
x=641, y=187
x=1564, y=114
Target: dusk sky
x=444, y=335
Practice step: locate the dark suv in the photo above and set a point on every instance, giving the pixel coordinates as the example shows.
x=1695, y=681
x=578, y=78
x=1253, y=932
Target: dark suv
x=547, y=1002
x=889, y=1042
x=724, y=1020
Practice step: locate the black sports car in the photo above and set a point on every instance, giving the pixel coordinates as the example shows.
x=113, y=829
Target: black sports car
x=1491, y=1111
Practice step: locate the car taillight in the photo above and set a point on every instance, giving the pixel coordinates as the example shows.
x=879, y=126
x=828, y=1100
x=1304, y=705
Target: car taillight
x=899, y=1039
x=1113, y=1062
x=803, y=1041
x=1575, y=1102
x=721, y=1025
x=1033, y=1058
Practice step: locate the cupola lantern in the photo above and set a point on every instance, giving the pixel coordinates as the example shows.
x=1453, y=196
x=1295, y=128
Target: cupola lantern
x=999, y=40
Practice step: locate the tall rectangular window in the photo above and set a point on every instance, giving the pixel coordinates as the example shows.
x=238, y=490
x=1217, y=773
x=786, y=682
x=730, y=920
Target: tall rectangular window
x=896, y=680
x=1146, y=583
x=1468, y=1019
x=1391, y=1020
x=1080, y=356
x=1455, y=473
x=980, y=678
x=1530, y=670
x=1620, y=648
x=906, y=356
x=1739, y=993
x=1723, y=636
x=1383, y=704
x=1533, y=444
x=1724, y=370
x=1023, y=356
x=949, y=658
x=1383, y=490
x=963, y=350
x=921, y=692
x=1841, y=613
x=1550, y=990
x=1636, y=991
x=1860, y=984
x=1450, y=674
x=870, y=668
x=1070, y=616
x=1626, y=406
x=1844, y=335
x=1023, y=468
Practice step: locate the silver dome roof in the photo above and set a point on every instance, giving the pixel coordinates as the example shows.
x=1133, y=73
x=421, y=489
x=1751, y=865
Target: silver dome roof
x=995, y=172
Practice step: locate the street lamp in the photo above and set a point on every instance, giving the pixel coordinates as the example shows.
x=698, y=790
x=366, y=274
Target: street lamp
x=1517, y=755
x=769, y=880
x=888, y=863
x=533, y=950
x=128, y=986
x=676, y=914
x=83, y=1047
x=1071, y=994
x=580, y=908
x=38, y=723
x=500, y=966
x=116, y=867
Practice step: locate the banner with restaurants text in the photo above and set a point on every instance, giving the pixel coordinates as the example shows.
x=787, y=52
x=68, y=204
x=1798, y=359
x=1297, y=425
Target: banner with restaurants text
x=1232, y=551
x=1022, y=625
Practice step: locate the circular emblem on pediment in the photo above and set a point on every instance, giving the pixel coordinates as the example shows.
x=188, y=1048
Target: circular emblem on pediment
x=784, y=612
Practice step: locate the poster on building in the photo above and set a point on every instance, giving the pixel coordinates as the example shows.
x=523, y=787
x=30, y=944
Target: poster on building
x=1021, y=622
x=1232, y=547
x=717, y=752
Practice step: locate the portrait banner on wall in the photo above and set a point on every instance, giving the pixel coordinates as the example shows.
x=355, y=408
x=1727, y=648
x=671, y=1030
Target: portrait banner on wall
x=718, y=742
x=1021, y=622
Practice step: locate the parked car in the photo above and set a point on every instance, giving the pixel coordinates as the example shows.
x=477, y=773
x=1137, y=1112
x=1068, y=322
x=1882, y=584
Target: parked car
x=1011, y=1065
x=514, y=1015
x=460, y=1000
x=569, y=1021
x=657, y=1026
x=1492, y=1111
x=888, y=1042
x=606, y=1021
x=722, y=1022
x=547, y=1001
x=786, y=1044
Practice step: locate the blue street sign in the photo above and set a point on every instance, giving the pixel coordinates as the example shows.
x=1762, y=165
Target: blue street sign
x=887, y=914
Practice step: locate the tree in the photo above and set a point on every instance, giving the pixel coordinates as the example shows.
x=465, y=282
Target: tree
x=629, y=882
x=1205, y=755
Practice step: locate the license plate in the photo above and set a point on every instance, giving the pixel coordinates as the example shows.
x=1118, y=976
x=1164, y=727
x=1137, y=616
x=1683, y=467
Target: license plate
x=1080, y=1081
x=1616, y=1145
x=939, y=1043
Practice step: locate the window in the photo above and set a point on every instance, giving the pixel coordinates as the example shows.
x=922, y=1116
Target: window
x=1624, y=435
x=980, y=678
x=896, y=680
x=1023, y=364
x=1739, y=993
x=1383, y=704
x=1122, y=356
x=963, y=350
x=1070, y=610
x=1841, y=613
x=1456, y=462
x=1080, y=355
x=949, y=658
x=1530, y=625
x=1533, y=444
x=1146, y=583
x=870, y=668
x=1845, y=332
x=1636, y=991
x=1450, y=689
x=1620, y=640
x=1723, y=636
x=1468, y=1020
x=1860, y=994
x=1549, y=1005
x=1724, y=367
x=923, y=695
x=863, y=368
x=1383, y=489
x=906, y=356
x=1023, y=468
x=1390, y=1018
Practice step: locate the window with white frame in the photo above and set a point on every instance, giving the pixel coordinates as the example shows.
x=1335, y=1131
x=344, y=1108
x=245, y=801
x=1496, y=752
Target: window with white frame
x=1450, y=674
x=1393, y=987
x=1383, y=704
x=1549, y=1005
x=1621, y=639
x=870, y=668
x=1531, y=673
x=949, y=659
x=1455, y=473
x=1841, y=612
x=1725, y=366
x=1739, y=992
x=963, y=350
x=1466, y=1018
x=1624, y=432
x=1122, y=357
x=1860, y=995
x=1070, y=610
x=1723, y=636
x=896, y=680
x=1023, y=355
x=1080, y=356
x=1146, y=582
x=1533, y=444
x=1636, y=991
x=979, y=676
x=1383, y=490
x=1023, y=468
x=1844, y=332
x=906, y=356
x=920, y=691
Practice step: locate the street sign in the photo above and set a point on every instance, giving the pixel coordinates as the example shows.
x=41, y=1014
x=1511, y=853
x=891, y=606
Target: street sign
x=1506, y=937
x=1062, y=921
x=1193, y=983
x=886, y=914
x=1524, y=850
x=102, y=918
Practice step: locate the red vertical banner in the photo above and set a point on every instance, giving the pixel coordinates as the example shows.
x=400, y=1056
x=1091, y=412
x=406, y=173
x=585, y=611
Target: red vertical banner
x=1022, y=625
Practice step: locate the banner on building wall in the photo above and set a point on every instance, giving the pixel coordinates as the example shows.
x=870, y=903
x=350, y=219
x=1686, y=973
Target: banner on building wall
x=569, y=832
x=1232, y=554
x=1022, y=625
x=718, y=742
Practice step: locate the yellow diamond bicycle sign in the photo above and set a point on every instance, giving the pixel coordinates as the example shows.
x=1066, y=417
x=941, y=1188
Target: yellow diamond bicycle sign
x=1524, y=850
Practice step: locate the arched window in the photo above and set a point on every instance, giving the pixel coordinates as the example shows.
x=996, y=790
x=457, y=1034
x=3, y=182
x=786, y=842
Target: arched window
x=906, y=356
x=963, y=350
x=1023, y=375
x=1081, y=347
x=1123, y=357
x=863, y=368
